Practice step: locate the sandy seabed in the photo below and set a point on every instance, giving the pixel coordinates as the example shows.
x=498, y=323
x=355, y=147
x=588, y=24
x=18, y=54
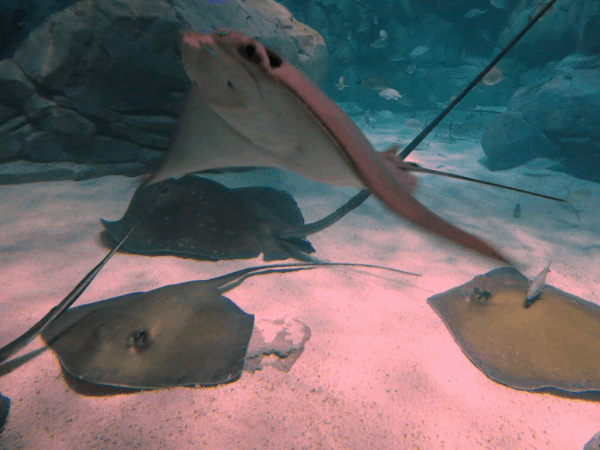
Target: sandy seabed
x=380, y=370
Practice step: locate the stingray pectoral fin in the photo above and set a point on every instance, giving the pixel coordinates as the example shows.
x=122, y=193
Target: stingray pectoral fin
x=113, y=233
x=13, y=347
x=204, y=141
x=107, y=224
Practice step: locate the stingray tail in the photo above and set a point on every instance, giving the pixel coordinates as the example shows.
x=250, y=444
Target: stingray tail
x=326, y=222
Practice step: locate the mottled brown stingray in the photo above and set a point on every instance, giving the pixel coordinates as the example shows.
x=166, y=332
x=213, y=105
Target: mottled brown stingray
x=554, y=343
x=202, y=219
x=177, y=335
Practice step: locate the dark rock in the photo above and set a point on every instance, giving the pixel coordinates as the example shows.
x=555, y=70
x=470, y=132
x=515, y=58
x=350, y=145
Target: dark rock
x=19, y=17
x=67, y=121
x=11, y=125
x=52, y=51
x=15, y=87
x=104, y=149
x=151, y=158
x=561, y=31
x=160, y=124
x=28, y=172
x=81, y=68
x=13, y=135
x=45, y=146
x=37, y=106
x=6, y=113
x=509, y=141
x=93, y=111
x=147, y=138
x=555, y=117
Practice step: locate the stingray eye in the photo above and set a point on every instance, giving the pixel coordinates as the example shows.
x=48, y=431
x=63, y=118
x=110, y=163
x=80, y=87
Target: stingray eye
x=480, y=296
x=138, y=341
x=274, y=59
x=249, y=52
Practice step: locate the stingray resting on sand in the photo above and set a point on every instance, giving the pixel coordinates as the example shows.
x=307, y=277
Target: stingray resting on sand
x=248, y=107
x=180, y=318
x=554, y=343
x=4, y=410
x=202, y=219
x=178, y=335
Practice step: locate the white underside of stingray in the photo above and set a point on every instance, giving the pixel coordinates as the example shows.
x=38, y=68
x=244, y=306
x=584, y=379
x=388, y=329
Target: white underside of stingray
x=249, y=107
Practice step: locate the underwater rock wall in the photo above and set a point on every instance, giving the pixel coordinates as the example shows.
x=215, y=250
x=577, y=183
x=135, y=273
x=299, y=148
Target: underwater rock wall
x=554, y=117
x=97, y=87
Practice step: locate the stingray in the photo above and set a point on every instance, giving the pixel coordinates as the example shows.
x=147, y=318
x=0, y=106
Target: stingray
x=248, y=107
x=19, y=343
x=202, y=219
x=178, y=335
x=4, y=410
x=554, y=343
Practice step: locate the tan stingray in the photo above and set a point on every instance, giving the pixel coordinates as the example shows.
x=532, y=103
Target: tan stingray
x=178, y=335
x=249, y=107
x=554, y=343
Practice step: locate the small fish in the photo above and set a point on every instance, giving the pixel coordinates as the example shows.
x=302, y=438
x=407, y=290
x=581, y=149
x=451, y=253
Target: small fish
x=383, y=35
x=418, y=51
x=500, y=4
x=517, y=211
x=538, y=9
x=379, y=44
x=411, y=68
x=387, y=114
x=415, y=124
x=494, y=76
x=368, y=120
x=375, y=19
x=486, y=35
x=349, y=35
x=474, y=13
x=578, y=197
x=377, y=84
x=390, y=94
x=398, y=57
x=431, y=97
x=406, y=101
x=583, y=192
x=340, y=84
x=536, y=286
x=364, y=26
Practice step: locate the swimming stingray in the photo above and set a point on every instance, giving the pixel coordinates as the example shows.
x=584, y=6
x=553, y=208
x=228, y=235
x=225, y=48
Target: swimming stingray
x=177, y=335
x=554, y=343
x=202, y=219
x=249, y=107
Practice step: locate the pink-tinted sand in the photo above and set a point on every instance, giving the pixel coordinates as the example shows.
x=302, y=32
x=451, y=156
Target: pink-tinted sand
x=380, y=370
